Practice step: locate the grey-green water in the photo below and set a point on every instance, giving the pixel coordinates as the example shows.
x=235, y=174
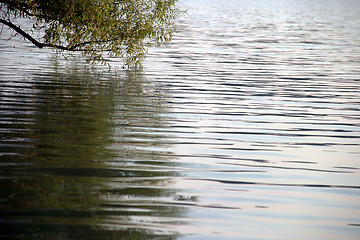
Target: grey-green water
x=247, y=126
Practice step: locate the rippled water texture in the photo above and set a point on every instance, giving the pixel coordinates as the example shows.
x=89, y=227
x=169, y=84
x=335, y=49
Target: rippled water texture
x=247, y=126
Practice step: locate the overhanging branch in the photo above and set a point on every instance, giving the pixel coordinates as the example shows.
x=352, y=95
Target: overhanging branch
x=37, y=43
x=22, y=32
x=76, y=47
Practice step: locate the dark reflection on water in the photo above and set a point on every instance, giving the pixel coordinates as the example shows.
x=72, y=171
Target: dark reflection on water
x=81, y=158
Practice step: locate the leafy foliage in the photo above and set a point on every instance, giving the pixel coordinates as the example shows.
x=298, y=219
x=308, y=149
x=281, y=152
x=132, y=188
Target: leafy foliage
x=123, y=28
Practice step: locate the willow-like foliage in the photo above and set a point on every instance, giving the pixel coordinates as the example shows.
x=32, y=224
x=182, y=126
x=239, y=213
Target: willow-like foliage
x=120, y=28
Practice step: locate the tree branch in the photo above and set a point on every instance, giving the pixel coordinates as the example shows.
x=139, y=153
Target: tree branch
x=22, y=32
x=67, y=48
x=41, y=45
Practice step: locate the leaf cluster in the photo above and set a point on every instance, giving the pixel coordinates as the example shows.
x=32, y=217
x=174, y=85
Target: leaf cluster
x=121, y=28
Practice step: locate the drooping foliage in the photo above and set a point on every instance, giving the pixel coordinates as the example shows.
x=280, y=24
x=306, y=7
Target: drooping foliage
x=120, y=28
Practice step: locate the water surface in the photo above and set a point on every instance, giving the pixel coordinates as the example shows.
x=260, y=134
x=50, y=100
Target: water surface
x=247, y=126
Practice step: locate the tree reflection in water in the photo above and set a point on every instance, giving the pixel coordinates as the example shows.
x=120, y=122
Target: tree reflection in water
x=84, y=155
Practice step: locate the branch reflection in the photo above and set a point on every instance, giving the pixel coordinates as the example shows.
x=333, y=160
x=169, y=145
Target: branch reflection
x=85, y=155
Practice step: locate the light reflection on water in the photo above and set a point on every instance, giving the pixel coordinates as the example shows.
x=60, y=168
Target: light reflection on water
x=245, y=127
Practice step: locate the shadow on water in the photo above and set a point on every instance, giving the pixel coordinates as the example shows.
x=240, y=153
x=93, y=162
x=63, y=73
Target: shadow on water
x=83, y=155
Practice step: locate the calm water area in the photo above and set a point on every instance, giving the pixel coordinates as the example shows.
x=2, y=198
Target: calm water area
x=246, y=126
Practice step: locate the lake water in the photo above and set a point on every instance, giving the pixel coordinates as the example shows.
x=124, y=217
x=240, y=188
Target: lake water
x=247, y=126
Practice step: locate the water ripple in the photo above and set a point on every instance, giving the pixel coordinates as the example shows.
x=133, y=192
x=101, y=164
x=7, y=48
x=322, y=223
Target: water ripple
x=248, y=120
